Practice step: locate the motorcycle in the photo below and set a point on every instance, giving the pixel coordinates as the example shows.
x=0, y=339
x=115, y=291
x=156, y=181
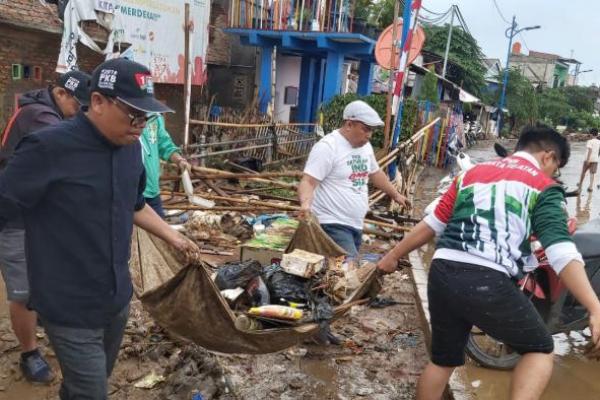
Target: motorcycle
x=558, y=308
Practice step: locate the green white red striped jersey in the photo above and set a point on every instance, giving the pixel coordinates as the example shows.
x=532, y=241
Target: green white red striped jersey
x=490, y=212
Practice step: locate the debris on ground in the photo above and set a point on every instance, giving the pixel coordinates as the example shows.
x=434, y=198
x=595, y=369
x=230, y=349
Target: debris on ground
x=149, y=381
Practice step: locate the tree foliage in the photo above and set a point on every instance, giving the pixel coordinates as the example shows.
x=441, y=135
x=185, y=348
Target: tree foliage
x=521, y=100
x=333, y=111
x=572, y=106
x=465, y=58
x=429, y=91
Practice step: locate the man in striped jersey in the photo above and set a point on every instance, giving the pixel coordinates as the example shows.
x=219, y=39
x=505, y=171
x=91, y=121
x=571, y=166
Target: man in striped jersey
x=483, y=223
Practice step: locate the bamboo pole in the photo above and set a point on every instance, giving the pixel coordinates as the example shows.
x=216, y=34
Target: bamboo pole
x=190, y=207
x=377, y=199
x=233, y=175
x=205, y=170
x=287, y=207
x=187, y=83
x=386, y=235
x=262, y=189
x=389, y=158
x=375, y=194
x=387, y=133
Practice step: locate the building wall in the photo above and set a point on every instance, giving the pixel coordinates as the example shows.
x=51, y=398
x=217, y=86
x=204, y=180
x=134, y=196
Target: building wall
x=288, y=74
x=534, y=68
x=33, y=48
x=561, y=73
x=231, y=66
x=30, y=34
x=29, y=14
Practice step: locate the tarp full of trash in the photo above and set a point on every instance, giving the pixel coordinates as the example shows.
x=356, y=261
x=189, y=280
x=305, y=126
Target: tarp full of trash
x=246, y=306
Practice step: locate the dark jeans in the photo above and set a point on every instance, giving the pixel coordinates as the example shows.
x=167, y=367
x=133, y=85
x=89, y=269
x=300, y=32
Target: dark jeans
x=347, y=237
x=464, y=295
x=86, y=356
x=156, y=204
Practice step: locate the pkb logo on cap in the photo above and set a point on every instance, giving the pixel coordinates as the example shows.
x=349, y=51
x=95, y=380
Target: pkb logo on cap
x=72, y=84
x=107, y=79
x=145, y=83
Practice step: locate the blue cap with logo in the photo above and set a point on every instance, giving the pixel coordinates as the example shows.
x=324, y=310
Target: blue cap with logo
x=77, y=84
x=128, y=81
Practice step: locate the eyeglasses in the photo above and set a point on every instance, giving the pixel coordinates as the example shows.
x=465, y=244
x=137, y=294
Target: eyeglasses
x=136, y=117
x=366, y=127
x=556, y=173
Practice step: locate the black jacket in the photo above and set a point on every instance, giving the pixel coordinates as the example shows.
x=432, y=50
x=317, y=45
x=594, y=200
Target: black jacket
x=78, y=193
x=37, y=110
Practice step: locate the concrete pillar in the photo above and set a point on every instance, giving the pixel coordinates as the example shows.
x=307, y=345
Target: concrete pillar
x=318, y=89
x=333, y=72
x=264, y=88
x=305, y=92
x=365, y=78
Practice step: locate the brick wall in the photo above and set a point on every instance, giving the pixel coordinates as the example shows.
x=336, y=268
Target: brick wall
x=20, y=46
x=30, y=34
x=219, y=43
x=172, y=96
x=30, y=13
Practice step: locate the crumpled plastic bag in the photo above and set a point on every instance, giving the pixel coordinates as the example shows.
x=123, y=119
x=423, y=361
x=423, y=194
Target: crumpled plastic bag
x=237, y=274
x=285, y=286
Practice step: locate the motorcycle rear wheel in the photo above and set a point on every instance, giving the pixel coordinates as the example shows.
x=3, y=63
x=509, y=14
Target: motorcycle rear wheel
x=490, y=353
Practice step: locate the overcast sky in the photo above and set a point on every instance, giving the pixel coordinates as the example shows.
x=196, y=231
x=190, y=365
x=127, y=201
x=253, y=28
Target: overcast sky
x=572, y=25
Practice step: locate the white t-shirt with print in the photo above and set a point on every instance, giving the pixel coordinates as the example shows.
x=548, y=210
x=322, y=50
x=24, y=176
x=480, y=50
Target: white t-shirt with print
x=342, y=196
x=594, y=146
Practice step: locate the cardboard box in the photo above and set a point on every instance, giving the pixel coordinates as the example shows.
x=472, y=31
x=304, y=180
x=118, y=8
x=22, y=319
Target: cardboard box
x=302, y=263
x=263, y=255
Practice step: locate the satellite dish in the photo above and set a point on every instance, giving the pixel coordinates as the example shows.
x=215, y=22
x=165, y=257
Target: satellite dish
x=383, y=47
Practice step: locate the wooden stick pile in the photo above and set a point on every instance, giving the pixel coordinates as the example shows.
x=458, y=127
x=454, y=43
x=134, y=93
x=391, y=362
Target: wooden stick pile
x=250, y=192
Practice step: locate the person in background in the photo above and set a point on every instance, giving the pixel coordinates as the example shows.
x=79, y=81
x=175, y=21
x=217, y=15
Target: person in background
x=484, y=223
x=79, y=185
x=352, y=86
x=157, y=145
x=37, y=109
x=340, y=166
x=590, y=162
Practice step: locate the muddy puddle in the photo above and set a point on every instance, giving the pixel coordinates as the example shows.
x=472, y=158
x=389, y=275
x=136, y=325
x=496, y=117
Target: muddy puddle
x=323, y=371
x=574, y=377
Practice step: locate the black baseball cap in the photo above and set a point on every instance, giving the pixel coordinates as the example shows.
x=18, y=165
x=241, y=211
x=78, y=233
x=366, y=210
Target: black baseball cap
x=129, y=82
x=77, y=83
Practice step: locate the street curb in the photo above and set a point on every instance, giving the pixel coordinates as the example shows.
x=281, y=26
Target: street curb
x=456, y=389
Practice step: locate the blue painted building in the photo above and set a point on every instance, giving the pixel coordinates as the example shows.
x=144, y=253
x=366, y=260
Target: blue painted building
x=322, y=55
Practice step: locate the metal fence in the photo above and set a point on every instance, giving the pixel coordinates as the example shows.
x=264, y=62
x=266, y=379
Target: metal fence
x=272, y=143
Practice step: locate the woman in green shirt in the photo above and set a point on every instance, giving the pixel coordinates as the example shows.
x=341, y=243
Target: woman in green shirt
x=157, y=145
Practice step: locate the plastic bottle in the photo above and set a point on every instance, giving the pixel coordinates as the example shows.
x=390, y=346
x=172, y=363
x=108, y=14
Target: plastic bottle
x=196, y=395
x=277, y=312
x=245, y=323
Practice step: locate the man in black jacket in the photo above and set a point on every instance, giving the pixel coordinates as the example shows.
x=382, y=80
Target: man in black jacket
x=37, y=109
x=80, y=185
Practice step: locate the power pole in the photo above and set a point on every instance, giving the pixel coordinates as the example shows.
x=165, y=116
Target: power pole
x=505, y=80
x=448, y=43
x=510, y=34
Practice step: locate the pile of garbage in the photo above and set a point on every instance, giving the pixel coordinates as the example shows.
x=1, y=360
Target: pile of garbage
x=301, y=287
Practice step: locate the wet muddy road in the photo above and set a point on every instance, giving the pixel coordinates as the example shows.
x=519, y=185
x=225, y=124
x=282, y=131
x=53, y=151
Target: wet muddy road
x=574, y=377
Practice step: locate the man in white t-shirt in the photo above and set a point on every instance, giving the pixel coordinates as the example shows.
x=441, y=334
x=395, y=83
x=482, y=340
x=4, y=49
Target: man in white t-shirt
x=336, y=177
x=591, y=159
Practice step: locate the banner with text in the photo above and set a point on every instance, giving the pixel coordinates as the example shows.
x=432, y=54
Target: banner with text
x=155, y=30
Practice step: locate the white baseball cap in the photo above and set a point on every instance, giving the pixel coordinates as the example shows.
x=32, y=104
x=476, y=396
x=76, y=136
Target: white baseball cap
x=360, y=111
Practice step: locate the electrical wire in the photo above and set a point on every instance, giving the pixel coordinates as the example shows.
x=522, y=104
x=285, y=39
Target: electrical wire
x=439, y=15
x=434, y=12
x=437, y=19
x=462, y=21
x=524, y=42
x=500, y=12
